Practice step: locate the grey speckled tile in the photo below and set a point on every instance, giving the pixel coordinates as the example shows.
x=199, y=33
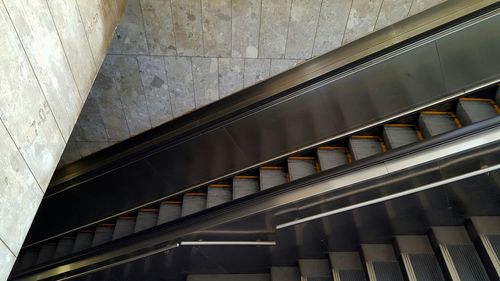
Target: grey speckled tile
x=45, y=52
x=74, y=40
x=274, y=28
x=19, y=194
x=159, y=27
x=206, y=80
x=89, y=147
x=6, y=260
x=331, y=26
x=362, y=19
x=302, y=28
x=180, y=84
x=154, y=81
x=230, y=76
x=245, y=28
x=256, y=70
x=110, y=104
x=90, y=125
x=32, y=125
x=186, y=16
x=216, y=28
x=281, y=65
x=129, y=86
x=392, y=11
x=93, y=21
x=420, y=5
x=130, y=36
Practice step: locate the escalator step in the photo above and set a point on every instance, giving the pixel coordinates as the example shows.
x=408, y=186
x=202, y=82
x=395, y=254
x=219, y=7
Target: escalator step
x=64, y=247
x=459, y=254
x=193, y=202
x=124, y=226
x=398, y=135
x=46, y=252
x=418, y=258
x=218, y=194
x=346, y=266
x=488, y=231
x=228, y=277
x=146, y=218
x=330, y=157
x=244, y=185
x=381, y=262
x=299, y=167
x=83, y=241
x=315, y=269
x=29, y=257
x=284, y=273
x=497, y=96
x=436, y=123
x=271, y=176
x=169, y=211
x=103, y=233
x=472, y=110
x=365, y=146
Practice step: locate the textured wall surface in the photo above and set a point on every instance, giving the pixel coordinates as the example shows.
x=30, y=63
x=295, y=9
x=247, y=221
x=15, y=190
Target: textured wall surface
x=50, y=52
x=170, y=57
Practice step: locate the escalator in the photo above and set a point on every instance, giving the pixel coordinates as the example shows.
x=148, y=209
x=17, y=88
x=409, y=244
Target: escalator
x=104, y=223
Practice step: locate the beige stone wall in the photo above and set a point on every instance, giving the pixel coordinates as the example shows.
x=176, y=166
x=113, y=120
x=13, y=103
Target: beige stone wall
x=170, y=57
x=50, y=52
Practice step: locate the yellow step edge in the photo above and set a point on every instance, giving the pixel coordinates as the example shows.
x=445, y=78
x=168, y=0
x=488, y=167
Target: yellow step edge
x=126, y=218
x=451, y=114
x=377, y=138
x=246, y=177
x=491, y=101
x=333, y=148
x=218, y=185
x=195, y=193
x=272, y=168
x=171, y=202
x=150, y=210
x=417, y=130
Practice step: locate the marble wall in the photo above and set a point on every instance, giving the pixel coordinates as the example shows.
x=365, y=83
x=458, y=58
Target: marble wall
x=181, y=55
x=50, y=53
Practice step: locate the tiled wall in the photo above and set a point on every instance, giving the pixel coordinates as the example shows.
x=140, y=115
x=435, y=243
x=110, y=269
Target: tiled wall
x=50, y=52
x=170, y=57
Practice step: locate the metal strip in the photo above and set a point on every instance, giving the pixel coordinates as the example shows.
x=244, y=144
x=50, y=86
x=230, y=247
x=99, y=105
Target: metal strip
x=228, y=243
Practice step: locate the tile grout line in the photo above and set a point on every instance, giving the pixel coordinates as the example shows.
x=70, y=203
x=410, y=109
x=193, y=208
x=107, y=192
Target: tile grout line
x=317, y=27
x=10, y=250
x=202, y=31
x=218, y=77
x=231, y=30
x=118, y=93
x=34, y=73
x=168, y=86
x=144, y=26
x=173, y=28
x=378, y=15
x=87, y=37
x=346, y=23
x=259, y=31
x=22, y=156
x=144, y=92
x=66, y=57
x=192, y=79
x=409, y=10
x=288, y=27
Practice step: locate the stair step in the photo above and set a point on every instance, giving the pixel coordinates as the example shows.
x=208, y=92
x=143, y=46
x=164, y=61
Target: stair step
x=29, y=257
x=103, y=233
x=472, y=110
x=398, y=135
x=244, y=185
x=299, y=167
x=272, y=176
x=365, y=146
x=419, y=260
x=285, y=273
x=146, y=218
x=488, y=230
x=169, y=211
x=218, y=194
x=228, y=277
x=497, y=96
x=346, y=266
x=435, y=123
x=315, y=269
x=83, y=241
x=330, y=157
x=459, y=254
x=193, y=202
x=124, y=226
x=46, y=252
x=381, y=262
x=64, y=247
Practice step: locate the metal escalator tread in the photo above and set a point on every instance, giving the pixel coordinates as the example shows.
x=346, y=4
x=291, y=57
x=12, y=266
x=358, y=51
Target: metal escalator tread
x=436, y=123
x=218, y=194
x=146, y=218
x=284, y=273
x=64, y=247
x=29, y=258
x=472, y=110
x=495, y=243
x=387, y=271
x=299, y=167
x=331, y=157
x=83, y=241
x=244, y=185
x=365, y=146
x=467, y=263
x=124, y=226
x=169, y=211
x=318, y=279
x=46, y=252
x=398, y=135
x=103, y=234
x=315, y=270
x=228, y=277
x=351, y=275
x=271, y=176
x=426, y=267
x=193, y=202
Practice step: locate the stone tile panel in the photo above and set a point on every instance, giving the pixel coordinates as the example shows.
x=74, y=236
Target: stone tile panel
x=245, y=28
x=332, y=22
x=159, y=27
x=274, y=28
x=180, y=84
x=186, y=16
x=216, y=28
x=256, y=70
x=304, y=16
x=230, y=76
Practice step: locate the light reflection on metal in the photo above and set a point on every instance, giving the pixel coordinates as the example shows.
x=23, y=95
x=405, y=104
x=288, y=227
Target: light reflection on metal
x=228, y=243
x=392, y=196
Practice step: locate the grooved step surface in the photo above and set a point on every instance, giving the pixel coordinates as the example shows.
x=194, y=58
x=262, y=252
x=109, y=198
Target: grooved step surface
x=123, y=227
x=467, y=263
x=243, y=187
x=169, y=212
x=83, y=241
x=271, y=177
x=315, y=269
x=474, y=111
x=145, y=220
x=495, y=243
x=46, y=253
x=396, y=137
x=64, y=247
x=433, y=125
x=193, y=203
x=285, y=273
x=387, y=271
x=331, y=158
x=426, y=267
x=351, y=275
x=228, y=277
x=300, y=168
x=362, y=148
x=218, y=195
x=102, y=235
x=29, y=258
